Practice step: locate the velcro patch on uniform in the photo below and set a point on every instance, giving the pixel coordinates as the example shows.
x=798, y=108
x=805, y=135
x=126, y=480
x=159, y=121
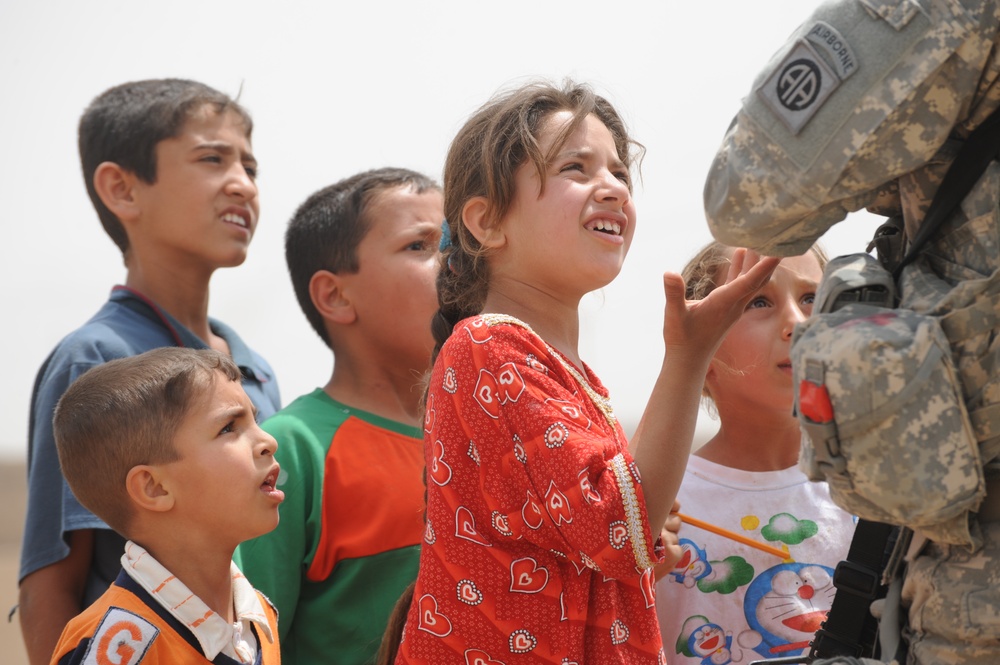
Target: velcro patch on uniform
x=122, y=638
x=797, y=87
x=896, y=13
x=826, y=38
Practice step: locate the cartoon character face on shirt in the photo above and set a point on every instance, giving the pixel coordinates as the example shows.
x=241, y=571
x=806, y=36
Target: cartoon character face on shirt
x=700, y=638
x=710, y=643
x=692, y=566
x=787, y=603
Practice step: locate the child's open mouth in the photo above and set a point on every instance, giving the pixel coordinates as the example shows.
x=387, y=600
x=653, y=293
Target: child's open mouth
x=607, y=226
x=238, y=220
x=269, y=486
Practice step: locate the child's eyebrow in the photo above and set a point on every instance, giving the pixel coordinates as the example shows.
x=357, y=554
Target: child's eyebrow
x=234, y=411
x=427, y=228
x=585, y=153
x=575, y=153
x=226, y=149
x=230, y=412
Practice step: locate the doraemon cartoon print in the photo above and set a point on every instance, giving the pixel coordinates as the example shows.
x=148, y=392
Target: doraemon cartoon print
x=785, y=605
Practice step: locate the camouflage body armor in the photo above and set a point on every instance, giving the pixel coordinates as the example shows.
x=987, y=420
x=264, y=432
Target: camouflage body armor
x=910, y=81
x=882, y=405
x=866, y=106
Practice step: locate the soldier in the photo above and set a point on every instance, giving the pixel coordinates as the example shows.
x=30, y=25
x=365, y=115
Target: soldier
x=866, y=107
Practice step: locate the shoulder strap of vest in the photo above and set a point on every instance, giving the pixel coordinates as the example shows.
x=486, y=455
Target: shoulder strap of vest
x=850, y=629
x=977, y=151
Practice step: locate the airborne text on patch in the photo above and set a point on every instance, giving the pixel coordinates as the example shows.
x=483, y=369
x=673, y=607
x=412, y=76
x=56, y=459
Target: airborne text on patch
x=841, y=57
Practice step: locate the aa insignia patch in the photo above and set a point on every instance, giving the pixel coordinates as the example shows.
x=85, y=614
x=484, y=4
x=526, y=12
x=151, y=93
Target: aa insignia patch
x=797, y=88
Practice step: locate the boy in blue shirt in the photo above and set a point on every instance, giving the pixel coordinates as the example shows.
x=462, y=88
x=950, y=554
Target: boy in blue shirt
x=169, y=168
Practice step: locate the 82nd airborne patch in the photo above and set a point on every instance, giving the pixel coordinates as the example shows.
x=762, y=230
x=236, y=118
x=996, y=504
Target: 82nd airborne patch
x=804, y=79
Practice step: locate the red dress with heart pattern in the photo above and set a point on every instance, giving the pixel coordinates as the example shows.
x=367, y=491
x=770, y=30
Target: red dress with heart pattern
x=537, y=548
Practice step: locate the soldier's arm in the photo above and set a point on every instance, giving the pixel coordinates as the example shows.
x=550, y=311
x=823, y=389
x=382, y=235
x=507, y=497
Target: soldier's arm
x=864, y=92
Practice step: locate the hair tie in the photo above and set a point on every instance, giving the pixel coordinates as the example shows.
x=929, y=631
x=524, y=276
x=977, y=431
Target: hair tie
x=445, y=236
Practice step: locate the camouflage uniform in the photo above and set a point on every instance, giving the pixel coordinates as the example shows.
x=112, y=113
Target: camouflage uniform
x=865, y=108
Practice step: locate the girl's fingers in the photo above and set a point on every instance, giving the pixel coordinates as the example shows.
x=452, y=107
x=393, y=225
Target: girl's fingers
x=672, y=553
x=673, y=288
x=685, y=321
x=754, y=272
x=760, y=271
x=673, y=524
x=736, y=264
x=742, y=262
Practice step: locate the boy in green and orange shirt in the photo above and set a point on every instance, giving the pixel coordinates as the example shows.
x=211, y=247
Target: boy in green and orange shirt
x=363, y=256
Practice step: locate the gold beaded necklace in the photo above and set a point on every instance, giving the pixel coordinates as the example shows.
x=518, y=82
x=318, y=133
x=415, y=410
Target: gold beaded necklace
x=602, y=403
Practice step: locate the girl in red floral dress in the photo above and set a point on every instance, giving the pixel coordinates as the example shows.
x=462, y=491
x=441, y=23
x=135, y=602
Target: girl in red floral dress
x=540, y=539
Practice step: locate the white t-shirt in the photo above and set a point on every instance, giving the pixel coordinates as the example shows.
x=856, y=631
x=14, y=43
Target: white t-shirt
x=728, y=602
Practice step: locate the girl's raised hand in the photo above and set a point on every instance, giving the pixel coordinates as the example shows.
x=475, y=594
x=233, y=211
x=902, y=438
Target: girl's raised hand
x=692, y=331
x=697, y=327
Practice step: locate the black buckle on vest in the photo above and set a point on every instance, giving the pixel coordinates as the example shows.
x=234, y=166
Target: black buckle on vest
x=830, y=645
x=855, y=579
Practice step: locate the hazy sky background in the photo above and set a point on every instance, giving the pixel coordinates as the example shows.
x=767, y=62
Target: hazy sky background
x=335, y=88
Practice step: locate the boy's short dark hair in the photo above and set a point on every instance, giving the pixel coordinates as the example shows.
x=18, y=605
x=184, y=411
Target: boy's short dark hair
x=125, y=123
x=125, y=413
x=326, y=230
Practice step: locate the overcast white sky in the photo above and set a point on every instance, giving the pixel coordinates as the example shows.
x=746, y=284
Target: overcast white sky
x=335, y=88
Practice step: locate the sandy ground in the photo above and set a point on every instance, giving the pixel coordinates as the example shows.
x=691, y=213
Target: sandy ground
x=12, y=500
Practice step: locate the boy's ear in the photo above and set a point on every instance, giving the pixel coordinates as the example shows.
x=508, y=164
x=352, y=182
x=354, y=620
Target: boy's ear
x=145, y=487
x=114, y=185
x=476, y=217
x=329, y=296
